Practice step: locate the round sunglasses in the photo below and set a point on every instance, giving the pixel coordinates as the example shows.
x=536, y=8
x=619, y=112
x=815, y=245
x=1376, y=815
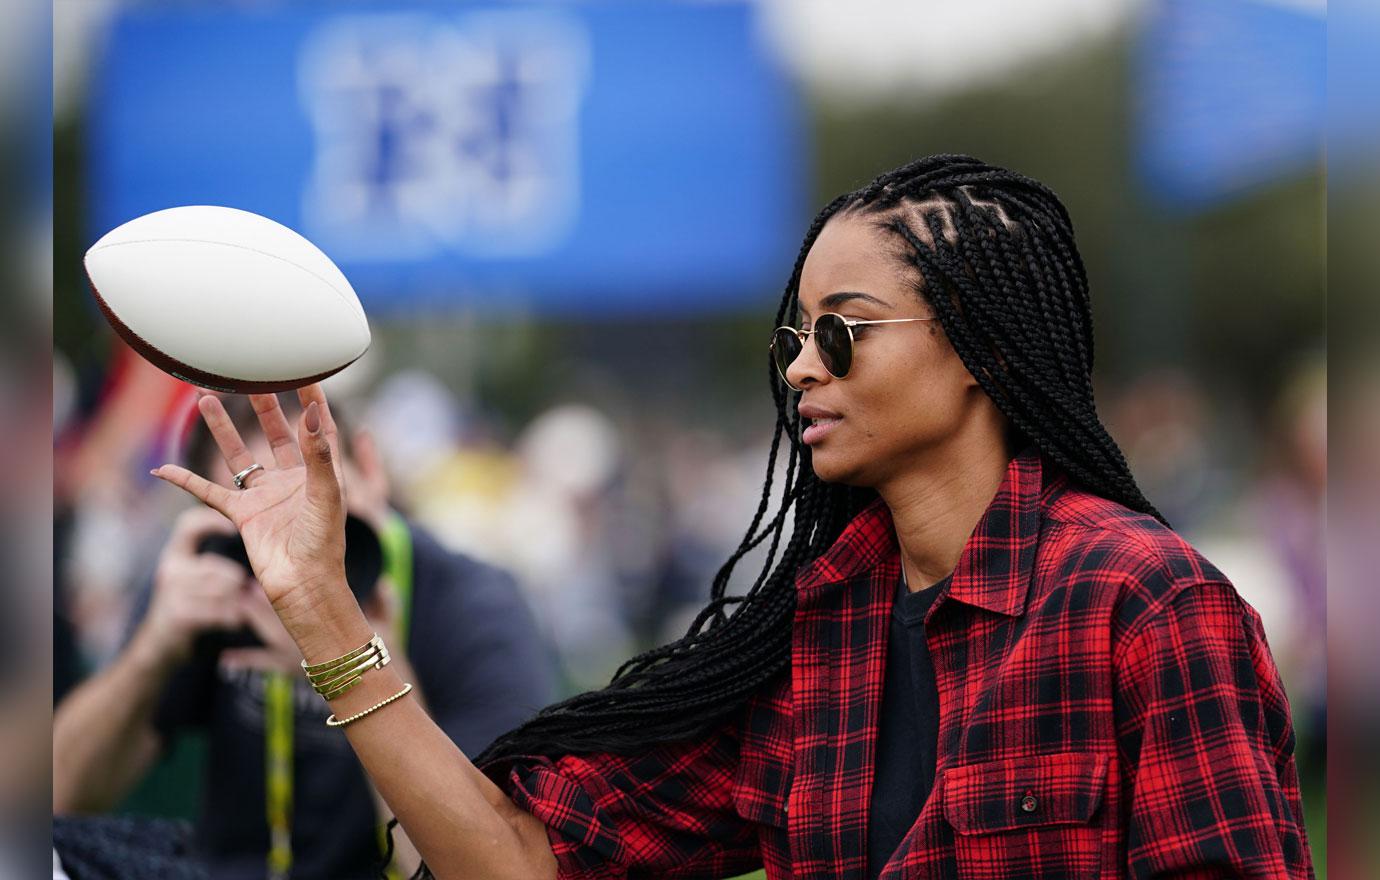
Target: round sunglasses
x=833, y=340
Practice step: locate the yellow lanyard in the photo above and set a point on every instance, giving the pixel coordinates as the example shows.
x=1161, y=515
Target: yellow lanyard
x=278, y=767
x=397, y=564
x=396, y=542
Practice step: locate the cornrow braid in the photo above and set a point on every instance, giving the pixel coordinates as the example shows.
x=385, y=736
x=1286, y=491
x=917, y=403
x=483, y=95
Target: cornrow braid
x=995, y=258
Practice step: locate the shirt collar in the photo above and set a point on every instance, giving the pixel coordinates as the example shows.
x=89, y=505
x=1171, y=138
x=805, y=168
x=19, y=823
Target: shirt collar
x=994, y=568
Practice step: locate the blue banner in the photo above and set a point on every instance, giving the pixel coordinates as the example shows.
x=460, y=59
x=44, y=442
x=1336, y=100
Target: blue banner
x=609, y=157
x=1232, y=95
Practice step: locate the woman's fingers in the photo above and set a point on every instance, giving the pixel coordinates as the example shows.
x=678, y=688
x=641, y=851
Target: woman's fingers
x=227, y=436
x=211, y=494
x=277, y=430
x=314, y=393
x=323, y=468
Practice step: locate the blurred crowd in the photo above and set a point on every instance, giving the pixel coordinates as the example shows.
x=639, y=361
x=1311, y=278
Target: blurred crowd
x=612, y=520
x=614, y=528
x=613, y=542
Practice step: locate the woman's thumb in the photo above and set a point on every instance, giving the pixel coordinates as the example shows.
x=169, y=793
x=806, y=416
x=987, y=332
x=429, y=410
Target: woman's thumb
x=322, y=486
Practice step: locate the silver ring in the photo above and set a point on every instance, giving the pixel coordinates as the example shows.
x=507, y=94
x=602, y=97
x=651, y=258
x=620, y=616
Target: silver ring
x=239, y=478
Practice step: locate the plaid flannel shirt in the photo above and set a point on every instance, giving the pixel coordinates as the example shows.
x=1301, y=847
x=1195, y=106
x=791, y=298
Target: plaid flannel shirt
x=1108, y=707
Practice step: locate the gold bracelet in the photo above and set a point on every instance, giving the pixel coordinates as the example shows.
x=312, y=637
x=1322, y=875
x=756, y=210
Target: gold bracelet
x=339, y=688
x=338, y=679
x=335, y=677
x=332, y=722
x=318, y=668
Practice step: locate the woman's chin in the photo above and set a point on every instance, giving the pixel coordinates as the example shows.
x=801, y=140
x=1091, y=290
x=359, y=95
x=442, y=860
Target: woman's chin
x=833, y=468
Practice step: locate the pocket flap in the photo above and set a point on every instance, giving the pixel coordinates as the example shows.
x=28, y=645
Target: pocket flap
x=762, y=781
x=760, y=791
x=1058, y=789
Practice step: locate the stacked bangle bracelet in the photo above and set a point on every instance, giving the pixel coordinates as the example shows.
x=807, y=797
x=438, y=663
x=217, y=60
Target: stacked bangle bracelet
x=334, y=677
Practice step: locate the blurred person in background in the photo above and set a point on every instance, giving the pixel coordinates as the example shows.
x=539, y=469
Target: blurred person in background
x=107, y=527
x=569, y=458
x=560, y=480
x=1288, y=508
x=205, y=651
x=710, y=484
x=982, y=651
x=1164, y=421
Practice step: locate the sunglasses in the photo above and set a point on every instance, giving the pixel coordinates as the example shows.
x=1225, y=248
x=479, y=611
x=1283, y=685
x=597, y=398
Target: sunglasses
x=833, y=340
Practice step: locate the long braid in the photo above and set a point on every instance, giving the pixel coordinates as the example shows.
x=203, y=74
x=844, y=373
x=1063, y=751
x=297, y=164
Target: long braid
x=1012, y=296
x=1011, y=293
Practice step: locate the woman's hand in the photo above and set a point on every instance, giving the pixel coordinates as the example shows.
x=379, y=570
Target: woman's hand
x=291, y=514
x=278, y=652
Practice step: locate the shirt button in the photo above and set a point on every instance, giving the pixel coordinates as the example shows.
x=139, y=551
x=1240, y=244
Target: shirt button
x=1028, y=803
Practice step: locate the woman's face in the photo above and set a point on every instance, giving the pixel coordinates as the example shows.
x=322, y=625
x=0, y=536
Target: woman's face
x=907, y=393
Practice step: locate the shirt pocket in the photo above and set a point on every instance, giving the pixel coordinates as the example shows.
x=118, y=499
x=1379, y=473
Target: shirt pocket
x=1030, y=817
x=761, y=789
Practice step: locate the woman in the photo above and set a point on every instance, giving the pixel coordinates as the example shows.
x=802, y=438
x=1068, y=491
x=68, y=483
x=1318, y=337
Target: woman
x=980, y=654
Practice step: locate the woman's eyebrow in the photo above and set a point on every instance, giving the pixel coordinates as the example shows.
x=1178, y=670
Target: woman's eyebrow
x=834, y=301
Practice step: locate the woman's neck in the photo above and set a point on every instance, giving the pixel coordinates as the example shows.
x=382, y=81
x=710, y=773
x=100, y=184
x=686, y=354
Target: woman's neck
x=936, y=507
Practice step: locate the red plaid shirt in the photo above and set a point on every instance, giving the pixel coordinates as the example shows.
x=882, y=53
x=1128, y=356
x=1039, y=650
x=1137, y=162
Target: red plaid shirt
x=1108, y=707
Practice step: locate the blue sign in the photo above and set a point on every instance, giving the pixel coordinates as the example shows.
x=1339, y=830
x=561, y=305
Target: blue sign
x=1232, y=95
x=610, y=157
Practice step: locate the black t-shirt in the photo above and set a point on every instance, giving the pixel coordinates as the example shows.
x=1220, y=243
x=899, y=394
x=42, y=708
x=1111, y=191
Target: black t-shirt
x=908, y=729
x=482, y=667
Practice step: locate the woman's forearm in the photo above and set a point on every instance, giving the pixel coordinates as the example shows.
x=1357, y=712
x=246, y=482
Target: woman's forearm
x=292, y=519
x=463, y=825
x=405, y=855
x=460, y=822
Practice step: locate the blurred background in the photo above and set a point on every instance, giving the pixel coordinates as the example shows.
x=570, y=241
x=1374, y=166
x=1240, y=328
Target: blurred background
x=570, y=225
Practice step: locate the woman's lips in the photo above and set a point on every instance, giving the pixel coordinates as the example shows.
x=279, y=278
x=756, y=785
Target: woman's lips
x=817, y=430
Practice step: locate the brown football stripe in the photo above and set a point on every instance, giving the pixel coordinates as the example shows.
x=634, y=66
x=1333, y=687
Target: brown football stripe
x=189, y=373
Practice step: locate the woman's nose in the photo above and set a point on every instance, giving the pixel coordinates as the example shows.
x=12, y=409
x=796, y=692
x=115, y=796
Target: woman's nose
x=807, y=368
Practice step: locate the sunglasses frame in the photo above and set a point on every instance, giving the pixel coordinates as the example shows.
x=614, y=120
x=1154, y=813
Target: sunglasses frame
x=848, y=325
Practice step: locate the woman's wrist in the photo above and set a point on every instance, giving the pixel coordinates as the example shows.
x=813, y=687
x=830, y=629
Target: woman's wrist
x=327, y=642
x=402, y=666
x=374, y=686
x=326, y=622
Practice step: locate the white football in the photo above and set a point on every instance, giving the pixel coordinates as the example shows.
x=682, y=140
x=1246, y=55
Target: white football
x=227, y=299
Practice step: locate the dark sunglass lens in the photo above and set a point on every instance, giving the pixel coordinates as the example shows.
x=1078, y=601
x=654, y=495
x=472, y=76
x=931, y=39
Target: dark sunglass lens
x=835, y=345
x=785, y=348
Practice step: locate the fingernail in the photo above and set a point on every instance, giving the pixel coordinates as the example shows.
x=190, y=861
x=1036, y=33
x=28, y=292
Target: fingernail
x=313, y=418
x=154, y=472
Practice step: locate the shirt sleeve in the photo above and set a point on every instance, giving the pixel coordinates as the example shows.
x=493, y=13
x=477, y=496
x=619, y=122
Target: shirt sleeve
x=1204, y=725
x=665, y=813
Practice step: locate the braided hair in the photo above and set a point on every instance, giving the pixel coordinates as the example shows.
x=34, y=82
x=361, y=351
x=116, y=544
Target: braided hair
x=993, y=255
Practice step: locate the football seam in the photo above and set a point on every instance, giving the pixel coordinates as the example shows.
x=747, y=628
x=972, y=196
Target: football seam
x=354, y=307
